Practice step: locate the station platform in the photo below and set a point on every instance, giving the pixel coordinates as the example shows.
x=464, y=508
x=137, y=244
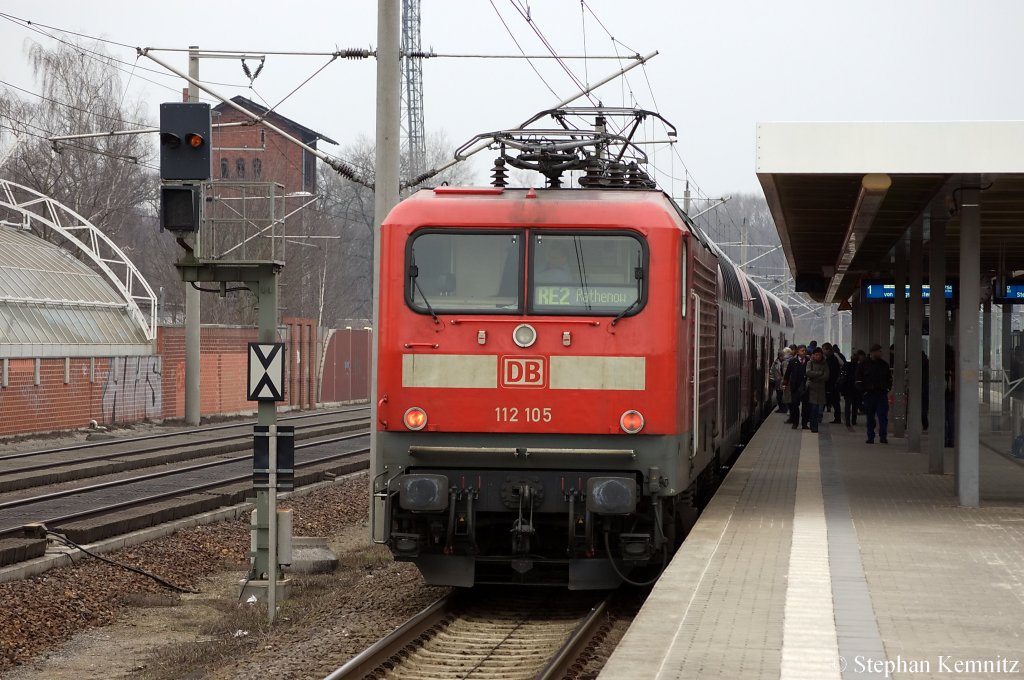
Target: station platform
x=823, y=557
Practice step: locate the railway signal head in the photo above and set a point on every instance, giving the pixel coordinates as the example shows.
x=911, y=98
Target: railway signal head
x=185, y=133
x=179, y=207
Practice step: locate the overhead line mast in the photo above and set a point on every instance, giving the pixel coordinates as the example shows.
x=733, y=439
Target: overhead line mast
x=412, y=89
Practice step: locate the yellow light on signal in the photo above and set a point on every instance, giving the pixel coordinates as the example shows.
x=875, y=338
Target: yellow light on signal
x=194, y=140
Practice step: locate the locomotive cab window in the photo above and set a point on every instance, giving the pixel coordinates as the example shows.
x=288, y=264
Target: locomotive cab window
x=464, y=272
x=592, y=274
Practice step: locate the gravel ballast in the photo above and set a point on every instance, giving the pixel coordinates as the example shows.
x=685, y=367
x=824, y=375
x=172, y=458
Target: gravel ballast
x=42, y=613
x=94, y=620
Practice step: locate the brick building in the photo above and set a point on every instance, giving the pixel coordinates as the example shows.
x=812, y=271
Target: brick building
x=256, y=153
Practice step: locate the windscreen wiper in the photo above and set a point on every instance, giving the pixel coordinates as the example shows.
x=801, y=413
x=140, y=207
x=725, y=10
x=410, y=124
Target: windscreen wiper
x=638, y=274
x=626, y=311
x=581, y=267
x=414, y=273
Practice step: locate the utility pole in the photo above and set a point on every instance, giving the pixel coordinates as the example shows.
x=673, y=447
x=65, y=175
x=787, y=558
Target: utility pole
x=385, y=195
x=744, y=241
x=412, y=88
x=193, y=308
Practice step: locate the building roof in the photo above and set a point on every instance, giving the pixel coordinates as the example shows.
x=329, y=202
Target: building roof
x=53, y=304
x=306, y=133
x=844, y=194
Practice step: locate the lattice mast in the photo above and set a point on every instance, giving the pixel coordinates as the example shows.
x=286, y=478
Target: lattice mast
x=412, y=89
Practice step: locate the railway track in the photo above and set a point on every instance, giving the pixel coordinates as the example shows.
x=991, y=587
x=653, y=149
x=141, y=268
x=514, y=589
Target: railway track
x=485, y=635
x=67, y=464
x=70, y=505
x=245, y=429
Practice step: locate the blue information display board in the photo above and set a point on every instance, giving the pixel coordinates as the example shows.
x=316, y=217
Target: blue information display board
x=1012, y=293
x=881, y=291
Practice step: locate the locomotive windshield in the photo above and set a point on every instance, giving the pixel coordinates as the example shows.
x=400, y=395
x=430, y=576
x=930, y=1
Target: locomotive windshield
x=459, y=271
x=599, y=274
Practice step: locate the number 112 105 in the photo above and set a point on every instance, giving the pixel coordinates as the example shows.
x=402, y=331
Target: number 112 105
x=532, y=414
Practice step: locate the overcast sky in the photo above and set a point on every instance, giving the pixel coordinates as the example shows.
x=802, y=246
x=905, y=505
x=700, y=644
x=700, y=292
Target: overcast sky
x=724, y=65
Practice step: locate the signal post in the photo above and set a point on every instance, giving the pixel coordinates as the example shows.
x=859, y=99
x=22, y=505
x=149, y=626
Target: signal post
x=185, y=140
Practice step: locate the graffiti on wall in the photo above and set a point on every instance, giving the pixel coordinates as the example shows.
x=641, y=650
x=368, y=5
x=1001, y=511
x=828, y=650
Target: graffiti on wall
x=134, y=390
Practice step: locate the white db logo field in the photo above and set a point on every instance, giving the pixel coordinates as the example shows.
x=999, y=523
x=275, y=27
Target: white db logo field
x=519, y=371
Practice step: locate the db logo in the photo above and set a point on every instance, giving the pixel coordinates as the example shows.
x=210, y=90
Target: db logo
x=523, y=372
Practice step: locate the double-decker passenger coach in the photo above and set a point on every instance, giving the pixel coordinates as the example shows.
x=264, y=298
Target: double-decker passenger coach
x=551, y=372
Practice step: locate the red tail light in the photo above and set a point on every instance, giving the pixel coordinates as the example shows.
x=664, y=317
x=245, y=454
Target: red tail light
x=631, y=422
x=415, y=418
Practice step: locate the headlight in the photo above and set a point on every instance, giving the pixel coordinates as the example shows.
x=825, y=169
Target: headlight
x=423, y=493
x=611, y=495
x=524, y=335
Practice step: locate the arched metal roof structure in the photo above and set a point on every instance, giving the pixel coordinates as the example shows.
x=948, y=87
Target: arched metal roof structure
x=65, y=288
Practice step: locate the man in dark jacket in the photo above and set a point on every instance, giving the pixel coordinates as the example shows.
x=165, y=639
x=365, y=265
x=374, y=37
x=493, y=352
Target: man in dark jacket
x=795, y=380
x=835, y=366
x=816, y=373
x=848, y=386
x=874, y=381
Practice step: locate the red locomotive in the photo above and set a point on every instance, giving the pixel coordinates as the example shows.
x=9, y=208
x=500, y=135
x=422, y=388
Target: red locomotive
x=561, y=371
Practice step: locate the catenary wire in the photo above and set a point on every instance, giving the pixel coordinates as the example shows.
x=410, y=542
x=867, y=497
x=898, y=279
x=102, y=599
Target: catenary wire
x=525, y=13
x=528, y=61
x=32, y=25
x=71, y=106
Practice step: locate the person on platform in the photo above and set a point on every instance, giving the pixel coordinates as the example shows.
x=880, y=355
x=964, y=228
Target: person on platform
x=874, y=381
x=847, y=385
x=835, y=366
x=778, y=369
x=838, y=353
x=817, y=374
x=794, y=381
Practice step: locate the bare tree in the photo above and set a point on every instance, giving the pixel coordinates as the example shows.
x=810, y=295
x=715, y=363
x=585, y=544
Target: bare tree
x=109, y=180
x=106, y=180
x=348, y=262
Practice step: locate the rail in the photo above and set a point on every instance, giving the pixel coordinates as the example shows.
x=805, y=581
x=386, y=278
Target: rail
x=175, y=492
x=508, y=635
x=164, y=435
x=245, y=438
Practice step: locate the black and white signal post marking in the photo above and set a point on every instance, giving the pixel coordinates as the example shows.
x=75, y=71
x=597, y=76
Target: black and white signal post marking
x=273, y=454
x=266, y=371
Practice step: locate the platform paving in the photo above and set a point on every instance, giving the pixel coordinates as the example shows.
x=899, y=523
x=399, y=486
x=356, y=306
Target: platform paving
x=824, y=557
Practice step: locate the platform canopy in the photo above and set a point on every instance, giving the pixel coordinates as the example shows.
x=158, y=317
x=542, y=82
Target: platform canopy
x=66, y=290
x=843, y=194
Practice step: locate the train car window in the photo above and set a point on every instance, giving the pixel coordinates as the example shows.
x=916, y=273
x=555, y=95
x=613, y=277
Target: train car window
x=756, y=300
x=464, y=272
x=683, y=262
x=592, y=274
x=731, y=282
